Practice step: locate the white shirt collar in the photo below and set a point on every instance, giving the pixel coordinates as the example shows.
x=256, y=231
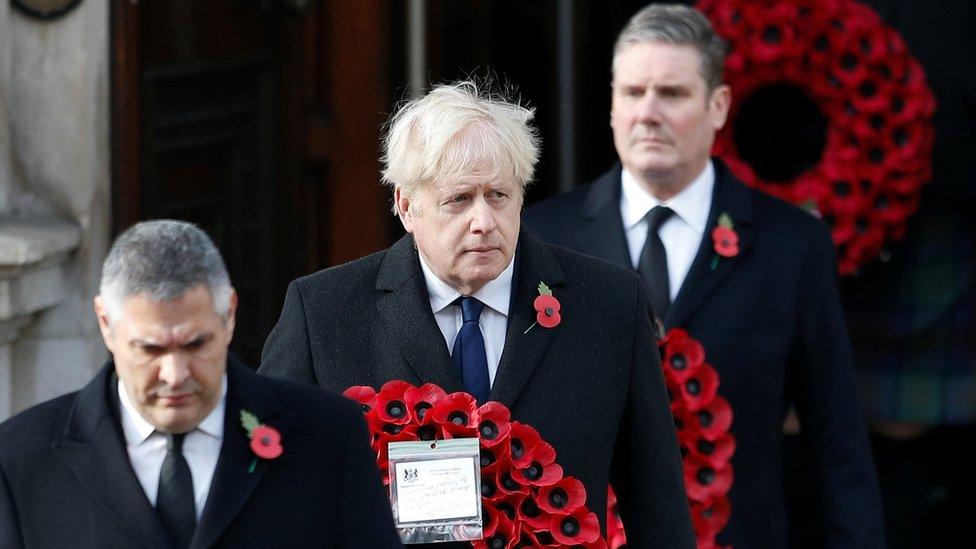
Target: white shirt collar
x=136, y=429
x=496, y=293
x=691, y=204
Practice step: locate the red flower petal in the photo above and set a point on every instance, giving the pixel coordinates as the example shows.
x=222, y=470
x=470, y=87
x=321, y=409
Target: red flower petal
x=522, y=443
x=266, y=442
x=579, y=527
x=363, y=394
x=562, y=497
x=495, y=425
x=421, y=399
x=547, y=311
x=704, y=483
x=457, y=414
x=698, y=390
x=725, y=241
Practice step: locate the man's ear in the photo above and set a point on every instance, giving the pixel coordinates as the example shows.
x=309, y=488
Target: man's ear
x=405, y=208
x=104, y=324
x=718, y=105
x=231, y=321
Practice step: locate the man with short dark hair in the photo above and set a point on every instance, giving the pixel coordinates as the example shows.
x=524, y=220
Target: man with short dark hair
x=175, y=443
x=451, y=303
x=765, y=308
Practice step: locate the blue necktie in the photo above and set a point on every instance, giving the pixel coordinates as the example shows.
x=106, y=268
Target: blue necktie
x=469, y=351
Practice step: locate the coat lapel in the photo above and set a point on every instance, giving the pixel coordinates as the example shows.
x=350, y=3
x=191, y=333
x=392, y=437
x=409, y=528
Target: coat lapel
x=232, y=482
x=93, y=449
x=732, y=197
x=603, y=235
x=405, y=310
x=523, y=350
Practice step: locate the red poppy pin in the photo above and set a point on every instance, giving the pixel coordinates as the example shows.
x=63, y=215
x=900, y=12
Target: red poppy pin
x=725, y=240
x=546, y=309
x=265, y=439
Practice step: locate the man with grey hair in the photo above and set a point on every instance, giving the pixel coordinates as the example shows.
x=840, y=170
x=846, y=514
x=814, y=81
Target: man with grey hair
x=765, y=308
x=176, y=444
x=452, y=303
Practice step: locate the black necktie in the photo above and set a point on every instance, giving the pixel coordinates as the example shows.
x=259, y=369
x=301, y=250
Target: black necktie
x=653, y=263
x=469, y=351
x=174, y=500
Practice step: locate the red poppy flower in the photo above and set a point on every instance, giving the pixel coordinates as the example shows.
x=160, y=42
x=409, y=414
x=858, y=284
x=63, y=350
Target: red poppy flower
x=716, y=452
x=712, y=515
x=532, y=516
x=266, y=442
x=579, y=527
x=420, y=400
x=509, y=486
x=522, y=442
x=542, y=469
x=698, y=390
x=457, y=414
x=391, y=405
x=725, y=241
x=503, y=532
x=495, y=426
x=704, y=483
x=562, y=497
x=714, y=419
x=547, y=311
x=363, y=394
x=683, y=355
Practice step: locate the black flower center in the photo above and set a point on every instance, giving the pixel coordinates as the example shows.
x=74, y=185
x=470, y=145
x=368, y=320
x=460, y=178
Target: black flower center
x=518, y=449
x=509, y=483
x=498, y=541
x=265, y=441
x=705, y=476
x=693, y=386
x=366, y=408
x=488, y=488
x=427, y=432
x=530, y=509
x=421, y=409
x=842, y=188
x=570, y=526
x=458, y=417
x=558, y=498
x=396, y=409
x=772, y=34
x=506, y=508
x=706, y=447
x=488, y=430
x=679, y=362
x=549, y=311
x=705, y=418
x=392, y=429
x=533, y=471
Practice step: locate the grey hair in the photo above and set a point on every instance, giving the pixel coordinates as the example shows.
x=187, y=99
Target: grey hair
x=456, y=130
x=679, y=25
x=164, y=258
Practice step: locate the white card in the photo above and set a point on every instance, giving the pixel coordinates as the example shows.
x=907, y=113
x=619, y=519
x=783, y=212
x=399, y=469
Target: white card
x=439, y=489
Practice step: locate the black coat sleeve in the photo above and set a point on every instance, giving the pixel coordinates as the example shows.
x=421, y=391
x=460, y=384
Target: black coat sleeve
x=833, y=429
x=287, y=353
x=366, y=520
x=647, y=470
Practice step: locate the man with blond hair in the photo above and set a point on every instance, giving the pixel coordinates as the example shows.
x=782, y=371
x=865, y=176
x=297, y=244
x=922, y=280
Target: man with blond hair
x=452, y=303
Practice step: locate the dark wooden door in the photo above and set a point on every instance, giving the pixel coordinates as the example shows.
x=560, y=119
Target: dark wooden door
x=259, y=121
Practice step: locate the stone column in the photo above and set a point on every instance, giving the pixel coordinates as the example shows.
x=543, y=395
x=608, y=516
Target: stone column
x=54, y=199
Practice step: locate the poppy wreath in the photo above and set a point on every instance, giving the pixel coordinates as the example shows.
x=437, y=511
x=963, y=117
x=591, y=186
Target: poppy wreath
x=702, y=420
x=830, y=112
x=527, y=502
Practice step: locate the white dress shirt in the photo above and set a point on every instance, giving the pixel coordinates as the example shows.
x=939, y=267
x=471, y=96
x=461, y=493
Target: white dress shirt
x=681, y=233
x=147, y=448
x=496, y=296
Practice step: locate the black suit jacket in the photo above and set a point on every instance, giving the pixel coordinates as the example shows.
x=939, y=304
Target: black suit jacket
x=66, y=480
x=592, y=385
x=771, y=324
